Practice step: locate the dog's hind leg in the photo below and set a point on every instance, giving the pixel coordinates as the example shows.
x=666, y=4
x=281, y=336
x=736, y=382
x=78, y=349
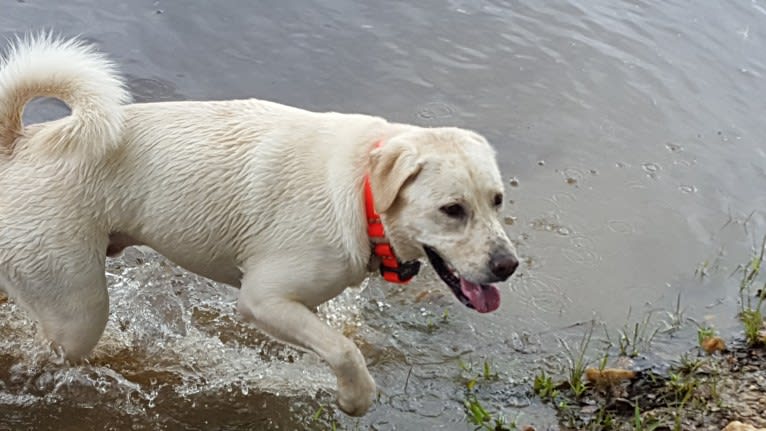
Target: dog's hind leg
x=71, y=303
x=77, y=323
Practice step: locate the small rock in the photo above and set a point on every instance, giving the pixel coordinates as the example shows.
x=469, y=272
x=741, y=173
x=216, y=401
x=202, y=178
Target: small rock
x=713, y=344
x=739, y=426
x=420, y=297
x=624, y=362
x=608, y=376
x=746, y=411
x=571, y=181
x=514, y=182
x=516, y=342
x=3, y=298
x=589, y=409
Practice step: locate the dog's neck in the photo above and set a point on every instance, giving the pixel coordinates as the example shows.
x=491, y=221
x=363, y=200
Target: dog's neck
x=391, y=268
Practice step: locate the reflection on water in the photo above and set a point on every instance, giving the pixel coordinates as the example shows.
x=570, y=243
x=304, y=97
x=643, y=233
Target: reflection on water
x=629, y=134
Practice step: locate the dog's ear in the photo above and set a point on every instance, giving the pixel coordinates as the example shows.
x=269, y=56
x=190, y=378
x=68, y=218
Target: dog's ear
x=391, y=166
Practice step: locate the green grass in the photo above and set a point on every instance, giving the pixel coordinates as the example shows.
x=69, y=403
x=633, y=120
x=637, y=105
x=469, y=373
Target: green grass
x=703, y=333
x=689, y=365
x=577, y=362
x=472, y=377
x=433, y=322
x=750, y=313
x=544, y=386
x=752, y=321
x=479, y=416
x=325, y=416
x=633, y=340
x=487, y=373
x=676, y=317
x=641, y=424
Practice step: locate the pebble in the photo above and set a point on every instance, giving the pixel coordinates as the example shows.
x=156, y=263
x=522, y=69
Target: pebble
x=713, y=344
x=739, y=426
x=608, y=376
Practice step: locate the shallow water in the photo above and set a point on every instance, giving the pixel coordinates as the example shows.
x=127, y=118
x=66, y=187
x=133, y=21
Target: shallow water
x=630, y=134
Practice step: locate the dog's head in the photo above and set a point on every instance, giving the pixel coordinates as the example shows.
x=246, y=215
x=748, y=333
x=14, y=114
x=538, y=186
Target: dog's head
x=439, y=193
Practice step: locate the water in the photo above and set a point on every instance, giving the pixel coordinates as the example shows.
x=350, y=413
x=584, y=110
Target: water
x=629, y=133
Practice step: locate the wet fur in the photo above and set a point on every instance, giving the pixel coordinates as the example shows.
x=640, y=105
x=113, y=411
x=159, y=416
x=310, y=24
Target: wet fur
x=251, y=193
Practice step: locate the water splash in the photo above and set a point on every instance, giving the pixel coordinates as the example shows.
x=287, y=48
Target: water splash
x=170, y=334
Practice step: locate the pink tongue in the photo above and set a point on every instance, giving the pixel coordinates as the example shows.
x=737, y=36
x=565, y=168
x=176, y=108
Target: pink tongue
x=483, y=297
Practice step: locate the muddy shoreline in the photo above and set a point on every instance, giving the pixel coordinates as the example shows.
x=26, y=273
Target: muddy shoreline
x=698, y=392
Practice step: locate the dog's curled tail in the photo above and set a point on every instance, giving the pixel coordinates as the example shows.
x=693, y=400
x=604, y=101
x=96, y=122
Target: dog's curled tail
x=72, y=71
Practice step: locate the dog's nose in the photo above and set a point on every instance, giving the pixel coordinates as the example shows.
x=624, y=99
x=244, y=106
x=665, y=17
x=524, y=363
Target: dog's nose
x=503, y=265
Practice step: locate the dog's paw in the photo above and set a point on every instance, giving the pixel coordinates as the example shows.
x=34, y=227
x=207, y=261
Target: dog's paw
x=356, y=395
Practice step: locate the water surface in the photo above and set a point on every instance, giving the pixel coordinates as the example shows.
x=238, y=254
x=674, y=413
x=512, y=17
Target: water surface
x=630, y=134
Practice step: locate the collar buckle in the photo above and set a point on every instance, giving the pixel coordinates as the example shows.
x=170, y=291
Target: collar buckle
x=402, y=274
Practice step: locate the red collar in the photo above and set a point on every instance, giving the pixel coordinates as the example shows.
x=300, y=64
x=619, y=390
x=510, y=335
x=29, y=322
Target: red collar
x=391, y=268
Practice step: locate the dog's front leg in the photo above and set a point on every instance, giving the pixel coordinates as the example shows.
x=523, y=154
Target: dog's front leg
x=268, y=303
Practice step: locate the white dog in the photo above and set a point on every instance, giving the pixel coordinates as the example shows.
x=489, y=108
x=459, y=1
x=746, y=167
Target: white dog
x=254, y=194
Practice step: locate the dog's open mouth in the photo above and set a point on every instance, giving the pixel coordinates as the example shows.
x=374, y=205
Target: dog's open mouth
x=481, y=297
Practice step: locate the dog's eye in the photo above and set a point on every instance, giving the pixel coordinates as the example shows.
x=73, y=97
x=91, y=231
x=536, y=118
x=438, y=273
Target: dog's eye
x=453, y=211
x=498, y=200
